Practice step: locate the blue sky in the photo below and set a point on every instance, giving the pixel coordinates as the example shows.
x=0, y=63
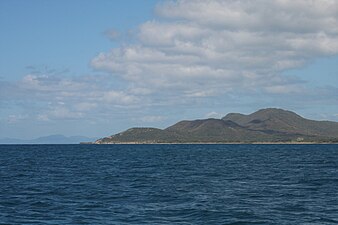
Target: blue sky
x=95, y=68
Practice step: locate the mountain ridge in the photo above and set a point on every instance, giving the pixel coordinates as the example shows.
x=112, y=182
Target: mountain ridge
x=264, y=125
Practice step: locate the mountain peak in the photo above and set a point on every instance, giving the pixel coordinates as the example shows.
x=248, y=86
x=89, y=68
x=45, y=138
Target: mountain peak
x=274, y=110
x=261, y=114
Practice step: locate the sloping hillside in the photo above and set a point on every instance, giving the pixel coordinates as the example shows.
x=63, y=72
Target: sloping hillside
x=284, y=121
x=266, y=125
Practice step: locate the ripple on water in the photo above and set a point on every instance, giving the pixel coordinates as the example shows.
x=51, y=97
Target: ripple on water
x=168, y=184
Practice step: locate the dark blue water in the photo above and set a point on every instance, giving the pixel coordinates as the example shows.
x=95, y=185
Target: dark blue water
x=169, y=184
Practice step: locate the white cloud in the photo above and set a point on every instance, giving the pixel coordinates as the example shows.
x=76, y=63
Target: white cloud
x=201, y=93
x=85, y=106
x=152, y=119
x=49, y=97
x=83, y=93
x=59, y=113
x=119, y=97
x=284, y=89
x=264, y=15
x=170, y=32
x=216, y=46
x=213, y=115
x=139, y=91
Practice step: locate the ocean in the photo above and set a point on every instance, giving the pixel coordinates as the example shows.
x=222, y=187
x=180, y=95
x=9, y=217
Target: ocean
x=168, y=184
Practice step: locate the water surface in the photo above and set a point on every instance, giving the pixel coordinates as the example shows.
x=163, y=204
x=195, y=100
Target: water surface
x=169, y=184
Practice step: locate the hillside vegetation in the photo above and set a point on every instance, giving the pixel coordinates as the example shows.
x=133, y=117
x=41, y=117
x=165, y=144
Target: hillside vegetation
x=265, y=125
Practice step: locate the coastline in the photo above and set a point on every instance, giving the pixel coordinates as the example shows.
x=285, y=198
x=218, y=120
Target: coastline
x=215, y=143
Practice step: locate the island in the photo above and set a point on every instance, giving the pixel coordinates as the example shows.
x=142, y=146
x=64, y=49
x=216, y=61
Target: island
x=269, y=125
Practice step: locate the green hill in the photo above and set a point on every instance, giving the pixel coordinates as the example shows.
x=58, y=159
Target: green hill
x=284, y=121
x=266, y=125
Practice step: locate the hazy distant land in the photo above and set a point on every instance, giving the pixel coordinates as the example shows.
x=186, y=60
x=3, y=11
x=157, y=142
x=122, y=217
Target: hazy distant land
x=51, y=139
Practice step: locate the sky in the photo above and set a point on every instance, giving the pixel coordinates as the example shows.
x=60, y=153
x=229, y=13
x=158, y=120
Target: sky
x=95, y=68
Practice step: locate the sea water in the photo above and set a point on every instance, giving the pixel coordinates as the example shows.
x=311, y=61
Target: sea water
x=168, y=184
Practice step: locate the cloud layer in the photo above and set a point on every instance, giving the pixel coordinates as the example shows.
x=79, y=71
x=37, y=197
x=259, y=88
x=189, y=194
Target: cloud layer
x=206, y=48
x=63, y=98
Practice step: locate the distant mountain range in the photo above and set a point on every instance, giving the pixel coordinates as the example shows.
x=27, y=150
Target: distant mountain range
x=266, y=125
x=51, y=139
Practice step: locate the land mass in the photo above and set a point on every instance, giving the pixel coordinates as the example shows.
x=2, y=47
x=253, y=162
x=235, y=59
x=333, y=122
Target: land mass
x=264, y=126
